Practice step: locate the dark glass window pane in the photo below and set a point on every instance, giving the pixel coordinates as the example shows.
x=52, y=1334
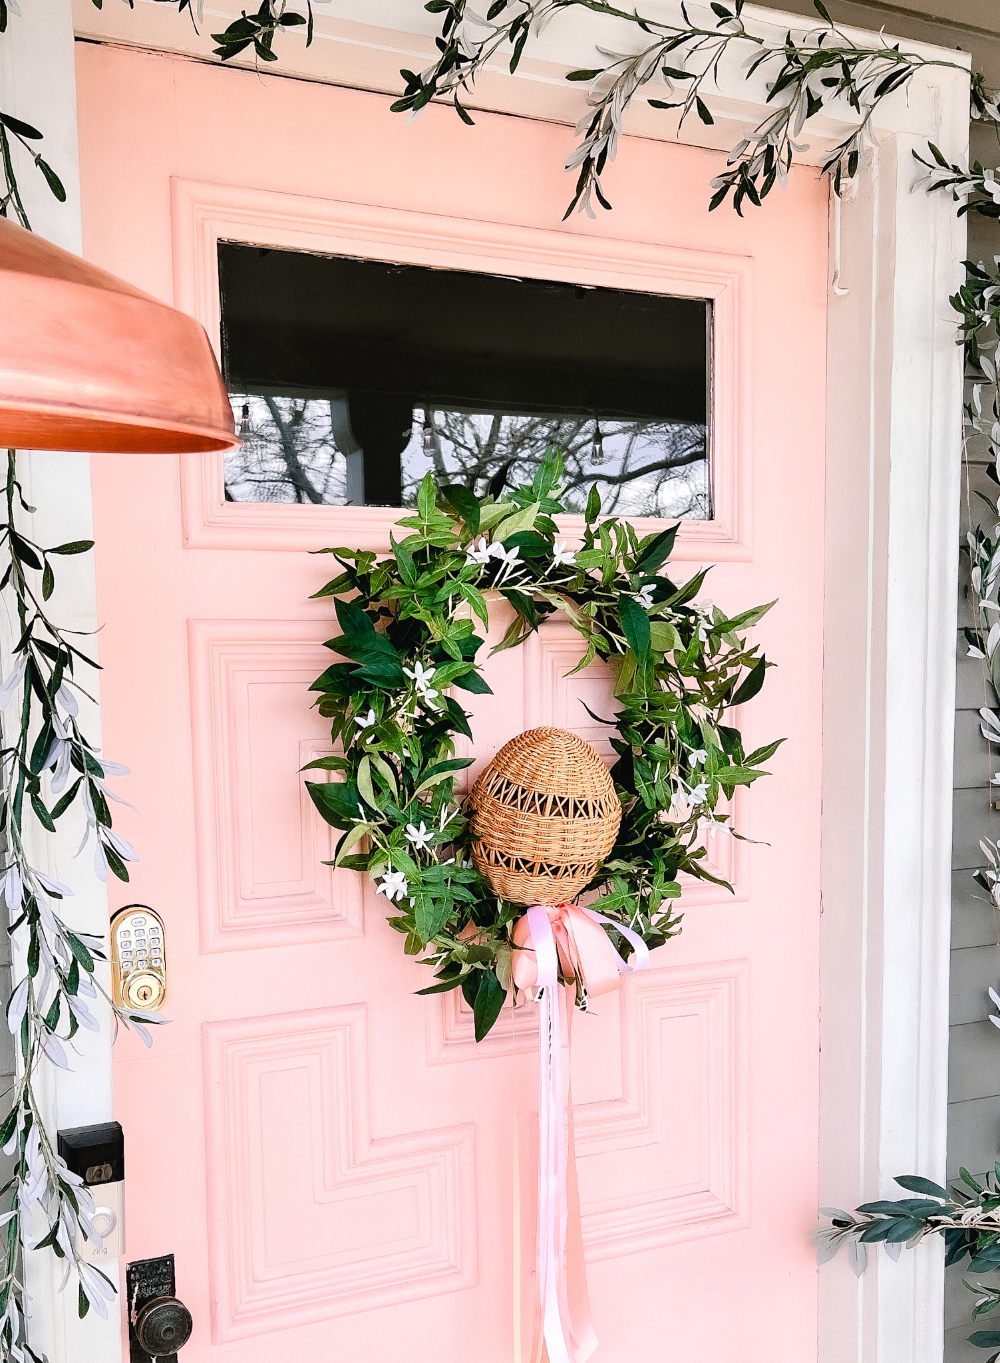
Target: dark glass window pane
x=350, y=378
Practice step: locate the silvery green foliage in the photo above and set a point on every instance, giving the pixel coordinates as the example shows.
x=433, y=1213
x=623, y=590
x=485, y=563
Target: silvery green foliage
x=806, y=72
x=967, y=1216
x=47, y=767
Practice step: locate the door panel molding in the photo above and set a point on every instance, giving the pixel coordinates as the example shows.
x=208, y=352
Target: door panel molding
x=241, y=670
x=287, y=1127
x=205, y=214
x=669, y=1016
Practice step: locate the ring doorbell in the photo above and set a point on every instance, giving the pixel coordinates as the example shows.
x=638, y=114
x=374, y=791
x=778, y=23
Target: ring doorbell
x=97, y=1154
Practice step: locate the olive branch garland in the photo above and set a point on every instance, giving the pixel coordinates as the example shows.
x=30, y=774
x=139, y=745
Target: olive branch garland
x=55, y=968
x=409, y=639
x=807, y=71
x=968, y=1219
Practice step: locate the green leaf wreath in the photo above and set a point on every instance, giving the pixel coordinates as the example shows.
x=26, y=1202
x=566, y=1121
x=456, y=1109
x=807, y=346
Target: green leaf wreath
x=409, y=638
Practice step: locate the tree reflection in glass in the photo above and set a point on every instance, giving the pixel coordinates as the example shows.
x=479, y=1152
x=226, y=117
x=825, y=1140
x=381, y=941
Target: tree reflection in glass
x=302, y=449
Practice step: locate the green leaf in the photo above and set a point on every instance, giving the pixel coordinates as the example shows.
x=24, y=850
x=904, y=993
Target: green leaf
x=352, y=619
x=656, y=550
x=48, y=581
x=663, y=637
x=521, y=520
x=475, y=682
x=16, y=126
x=51, y=179
x=73, y=547
x=465, y=503
x=364, y=779
x=351, y=839
x=904, y=1229
x=430, y=915
x=52, y=1016
x=327, y=764
x=336, y=801
x=593, y=505
x=635, y=626
x=489, y=1000
x=7, y=1129
x=985, y=1339
x=42, y=814
x=426, y=497
x=913, y=1183
x=385, y=771
x=584, y=74
x=66, y=799
x=703, y=110
x=80, y=952
x=24, y=551
x=750, y=684
x=442, y=770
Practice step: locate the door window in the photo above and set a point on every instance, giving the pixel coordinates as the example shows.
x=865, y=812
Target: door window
x=351, y=378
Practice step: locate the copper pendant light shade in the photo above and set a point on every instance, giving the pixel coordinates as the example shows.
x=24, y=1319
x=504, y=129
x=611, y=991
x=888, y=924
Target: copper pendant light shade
x=89, y=363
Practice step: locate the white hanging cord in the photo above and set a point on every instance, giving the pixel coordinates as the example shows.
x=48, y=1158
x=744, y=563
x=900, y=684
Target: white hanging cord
x=836, y=285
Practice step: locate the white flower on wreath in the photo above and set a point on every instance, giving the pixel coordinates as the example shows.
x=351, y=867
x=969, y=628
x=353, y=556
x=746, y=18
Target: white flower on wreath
x=478, y=551
x=699, y=792
x=561, y=555
x=644, y=596
x=366, y=721
x=679, y=811
x=419, y=837
x=509, y=559
x=697, y=758
x=393, y=885
x=422, y=677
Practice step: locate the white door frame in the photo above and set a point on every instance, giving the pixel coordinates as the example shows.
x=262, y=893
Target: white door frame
x=38, y=85
x=893, y=459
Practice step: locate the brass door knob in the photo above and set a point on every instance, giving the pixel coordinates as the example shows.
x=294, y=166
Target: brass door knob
x=163, y=1326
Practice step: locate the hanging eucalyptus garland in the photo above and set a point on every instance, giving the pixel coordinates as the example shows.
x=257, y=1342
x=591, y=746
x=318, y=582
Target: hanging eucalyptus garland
x=47, y=767
x=409, y=638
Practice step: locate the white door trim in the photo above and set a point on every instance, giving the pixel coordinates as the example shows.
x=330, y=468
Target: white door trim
x=892, y=518
x=38, y=84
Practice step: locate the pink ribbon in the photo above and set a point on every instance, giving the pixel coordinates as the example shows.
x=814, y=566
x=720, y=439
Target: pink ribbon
x=547, y=937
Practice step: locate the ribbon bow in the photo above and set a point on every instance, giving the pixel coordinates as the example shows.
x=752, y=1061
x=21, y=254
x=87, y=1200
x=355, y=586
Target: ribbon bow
x=582, y=949
x=547, y=939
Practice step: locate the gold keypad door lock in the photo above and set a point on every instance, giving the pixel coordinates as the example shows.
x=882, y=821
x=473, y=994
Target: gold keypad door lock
x=138, y=958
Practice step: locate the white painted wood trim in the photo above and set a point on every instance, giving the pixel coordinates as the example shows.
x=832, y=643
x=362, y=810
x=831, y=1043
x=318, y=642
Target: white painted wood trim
x=895, y=393
x=894, y=433
x=38, y=84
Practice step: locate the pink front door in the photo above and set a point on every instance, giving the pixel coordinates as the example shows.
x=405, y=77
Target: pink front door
x=329, y=1156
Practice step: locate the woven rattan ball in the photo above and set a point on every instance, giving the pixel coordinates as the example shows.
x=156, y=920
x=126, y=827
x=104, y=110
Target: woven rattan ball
x=544, y=817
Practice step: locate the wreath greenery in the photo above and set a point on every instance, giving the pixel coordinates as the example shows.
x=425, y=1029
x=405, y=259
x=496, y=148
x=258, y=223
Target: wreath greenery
x=409, y=638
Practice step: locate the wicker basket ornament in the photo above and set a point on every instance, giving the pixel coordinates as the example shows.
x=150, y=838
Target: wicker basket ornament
x=544, y=817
